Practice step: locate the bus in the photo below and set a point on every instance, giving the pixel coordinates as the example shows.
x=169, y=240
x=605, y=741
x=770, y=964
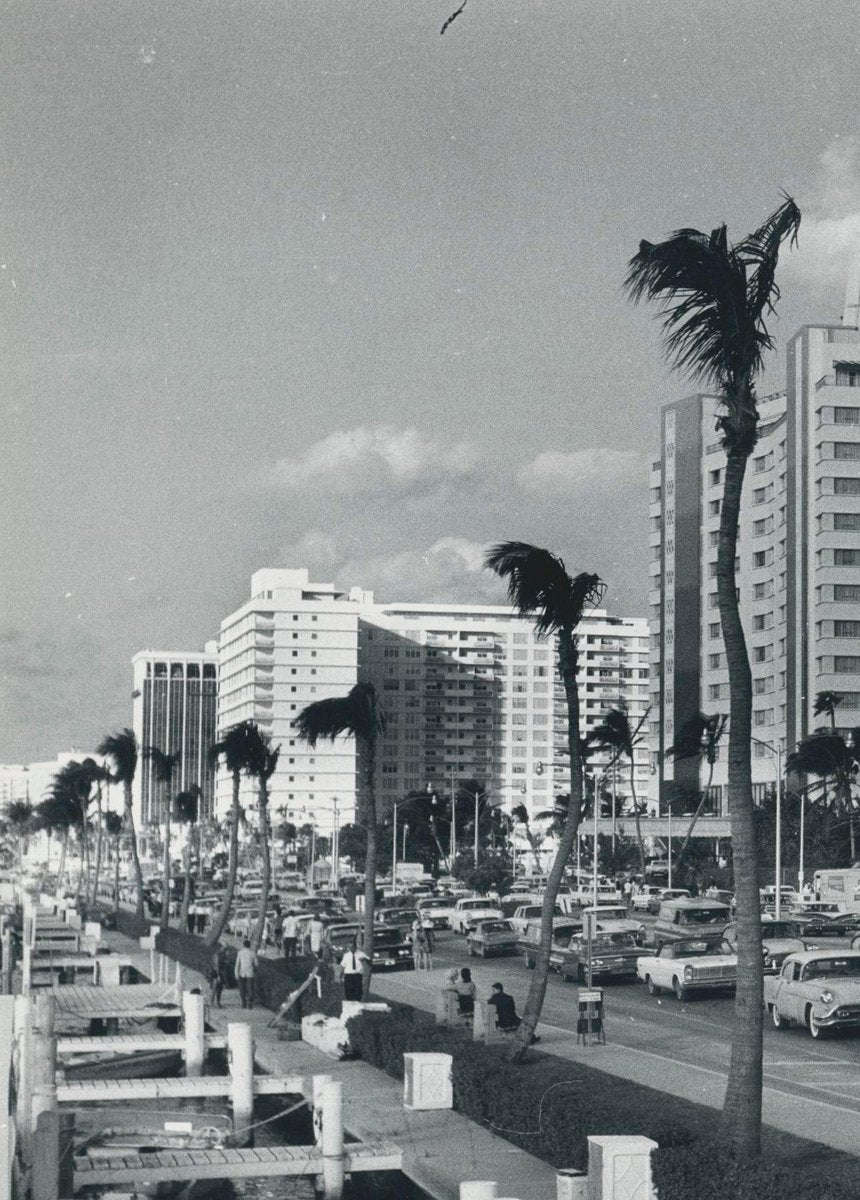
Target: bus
x=840, y=887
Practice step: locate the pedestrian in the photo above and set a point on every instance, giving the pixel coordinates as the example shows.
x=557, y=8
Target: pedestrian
x=316, y=931
x=628, y=892
x=806, y=893
x=245, y=970
x=217, y=977
x=352, y=967
x=466, y=992
x=290, y=933
x=506, y=1011
x=278, y=926
x=202, y=914
x=191, y=917
x=429, y=933
x=420, y=951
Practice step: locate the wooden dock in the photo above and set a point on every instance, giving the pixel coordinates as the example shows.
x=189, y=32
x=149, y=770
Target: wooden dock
x=266, y=1162
x=129, y=1043
x=99, y=1091
x=139, y=1000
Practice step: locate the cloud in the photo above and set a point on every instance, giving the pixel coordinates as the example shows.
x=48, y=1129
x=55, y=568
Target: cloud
x=829, y=239
x=598, y=467
x=370, y=458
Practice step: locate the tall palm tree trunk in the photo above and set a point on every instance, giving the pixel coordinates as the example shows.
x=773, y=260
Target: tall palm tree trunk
x=568, y=657
x=679, y=862
x=742, y=1107
x=232, y=864
x=99, y=845
x=61, y=868
x=263, y=806
x=370, y=858
x=128, y=820
x=636, y=814
x=186, y=887
x=116, y=875
x=166, y=874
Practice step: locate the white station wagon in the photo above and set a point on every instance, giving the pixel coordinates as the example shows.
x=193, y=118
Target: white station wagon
x=474, y=909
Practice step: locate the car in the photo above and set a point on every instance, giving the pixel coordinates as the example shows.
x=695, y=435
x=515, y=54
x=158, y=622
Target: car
x=613, y=917
x=788, y=897
x=642, y=901
x=778, y=939
x=817, y=988
x=689, y=965
x=529, y=912
x=561, y=935
x=822, y=918
x=492, y=937
x=472, y=909
x=396, y=918
x=613, y=955
x=390, y=947
x=439, y=909
x=688, y=917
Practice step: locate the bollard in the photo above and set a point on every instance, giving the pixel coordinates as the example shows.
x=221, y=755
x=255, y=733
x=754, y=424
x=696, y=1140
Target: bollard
x=318, y=1084
x=152, y=978
x=195, y=1029
x=240, y=1047
x=45, y=1180
x=571, y=1185
x=332, y=1141
x=67, y=1153
x=178, y=982
x=45, y=1012
x=478, y=1189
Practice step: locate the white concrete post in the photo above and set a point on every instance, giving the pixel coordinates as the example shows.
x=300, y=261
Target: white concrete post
x=178, y=982
x=479, y=1189
x=571, y=1185
x=240, y=1046
x=332, y=1141
x=7, y=962
x=24, y=1072
x=26, y=969
x=619, y=1167
x=45, y=1011
x=317, y=1085
x=195, y=1042
x=152, y=968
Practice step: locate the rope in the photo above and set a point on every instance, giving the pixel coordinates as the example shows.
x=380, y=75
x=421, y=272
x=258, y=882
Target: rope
x=539, y=1130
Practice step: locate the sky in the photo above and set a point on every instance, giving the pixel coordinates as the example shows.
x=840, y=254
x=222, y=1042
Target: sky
x=306, y=284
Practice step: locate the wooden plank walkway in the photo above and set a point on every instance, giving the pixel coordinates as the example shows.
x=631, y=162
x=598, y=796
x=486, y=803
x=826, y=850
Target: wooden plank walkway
x=109, y=1090
x=267, y=1162
x=126, y=1000
x=128, y=1043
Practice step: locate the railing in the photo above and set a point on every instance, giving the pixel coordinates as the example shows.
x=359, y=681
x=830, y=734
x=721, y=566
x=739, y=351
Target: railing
x=851, y=380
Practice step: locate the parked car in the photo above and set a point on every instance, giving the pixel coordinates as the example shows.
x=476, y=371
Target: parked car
x=822, y=918
x=778, y=939
x=492, y=937
x=687, y=917
x=390, y=947
x=818, y=988
x=439, y=909
x=642, y=901
x=561, y=935
x=687, y=965
x=396, y=918
x=614, y=918
x=530, y=912
x=613, y=955
x=469, y=911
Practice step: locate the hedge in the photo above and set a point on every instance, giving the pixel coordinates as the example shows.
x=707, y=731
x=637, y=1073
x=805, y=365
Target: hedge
x=127, y=922
x=550, y=1107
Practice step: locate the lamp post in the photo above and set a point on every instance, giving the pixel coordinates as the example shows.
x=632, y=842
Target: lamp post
x=777, y=751
x=398, y=804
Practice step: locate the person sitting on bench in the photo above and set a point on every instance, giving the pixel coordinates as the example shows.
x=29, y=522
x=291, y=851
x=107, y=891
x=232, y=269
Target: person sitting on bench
x=506, y=1009
x=466, y=993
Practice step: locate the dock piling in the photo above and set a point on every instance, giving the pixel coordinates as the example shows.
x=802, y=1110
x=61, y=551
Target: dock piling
x=195, y=1033
x=318, y=1084
x=240, y=1056
x=24, y=1073
x=45, y=1180
x=332, y=1141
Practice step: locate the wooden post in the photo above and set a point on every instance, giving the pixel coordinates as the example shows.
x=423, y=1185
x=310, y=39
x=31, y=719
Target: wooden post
x=152, y=978
x=318, y=1083
x=67, y=1152
x=8, y=962
x=26, y=969
x=332, y=1141
x=178, y=982
x=24, y=1073
x=195, y=1027
x=240, y=1046
x=45, y=1011
x=44, y=1050
x=45, y=1182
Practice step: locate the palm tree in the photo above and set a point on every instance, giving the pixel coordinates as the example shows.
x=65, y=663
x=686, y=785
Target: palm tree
x=186, y=810
x=163, y=767
x=827, y=702
x=357, y=715
x=58, y=813
x=19, y=818
x=828, y=756
x=121, y=749
x=262, y=763
x=540, y=587
x=113, y=827
x=233, y=748
x=616, y=734
x=698, y=737
x=99, y=775
x=715, y=298
x=73, y=785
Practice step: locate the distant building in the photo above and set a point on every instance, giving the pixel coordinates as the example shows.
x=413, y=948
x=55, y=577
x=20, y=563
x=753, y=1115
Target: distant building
x=469, y=691
x=174, y=708
x=798, y=558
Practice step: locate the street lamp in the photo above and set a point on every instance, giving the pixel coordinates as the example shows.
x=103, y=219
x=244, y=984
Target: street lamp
x=777, y=751
x=398, y=804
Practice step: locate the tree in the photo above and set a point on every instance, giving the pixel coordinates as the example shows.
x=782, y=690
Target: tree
x=715, y=298
x=234, y=749
x=493, y=872
x=262, y=763
x=72, y=785
x=829, y=756
x=186, y=811
x=520, y=818
x=113, y=826
x=540, y=587
x=99, y=775
x=58, y=813
x=827, y=703
x=355, y=715
x=616, y=734
x=698, y=737
x=163, y=767
x=19, y=819
x=121, y=750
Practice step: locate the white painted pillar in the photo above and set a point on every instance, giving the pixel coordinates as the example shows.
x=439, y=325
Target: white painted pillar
x=7, y=962
x=195, y=1030
x=318, y=1083
x=240, y=1046
x=571, y=1185
x=332, y=1141
x=479, y=1189
x=24, y=1072
x=26, y=969
x=152, y=963
x=178, y=981
x=616, y=1163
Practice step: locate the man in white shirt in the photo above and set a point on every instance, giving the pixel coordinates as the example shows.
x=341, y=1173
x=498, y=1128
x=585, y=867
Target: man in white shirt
x=352, y=965
x=290, y=933
x=245, y=970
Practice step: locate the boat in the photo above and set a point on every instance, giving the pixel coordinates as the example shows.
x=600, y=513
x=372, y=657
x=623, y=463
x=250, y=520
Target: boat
x=147, y=1064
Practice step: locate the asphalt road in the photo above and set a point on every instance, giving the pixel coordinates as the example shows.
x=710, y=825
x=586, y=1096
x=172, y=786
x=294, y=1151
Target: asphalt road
x=695, y=1033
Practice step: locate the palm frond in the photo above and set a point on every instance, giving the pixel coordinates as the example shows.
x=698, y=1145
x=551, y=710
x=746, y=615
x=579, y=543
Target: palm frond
x=761, y=251
x=121, y=749
x=163, y=764
x=826, y=703
x=356, y=714
x=186, y=806
x=540, y=587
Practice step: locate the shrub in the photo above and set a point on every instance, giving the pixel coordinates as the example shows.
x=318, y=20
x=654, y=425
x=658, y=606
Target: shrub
x=126, y=922
x=708, y=1170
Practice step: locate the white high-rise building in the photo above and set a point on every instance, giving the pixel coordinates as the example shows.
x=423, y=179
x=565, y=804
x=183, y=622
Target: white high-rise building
x=469, y=691
x=798, y=557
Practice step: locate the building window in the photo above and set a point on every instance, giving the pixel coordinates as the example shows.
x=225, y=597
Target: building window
x=713, y=508
x=715, y=476
x=760, y=558
x=847, y=374
x=846, y=664
x=846, y=522
x=846, y=558
x=714, y=691
x=846, y=487
x=714, y=661
x=847, y=593
x=762, y=653
x=846, y=416
x=846, y=629
x=846, y=451
x=714, y=629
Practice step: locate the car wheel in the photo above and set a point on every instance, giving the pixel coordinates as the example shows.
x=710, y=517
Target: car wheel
x=679, y=989
x=779, y=1021
x=653, y=989
x=816, y=1030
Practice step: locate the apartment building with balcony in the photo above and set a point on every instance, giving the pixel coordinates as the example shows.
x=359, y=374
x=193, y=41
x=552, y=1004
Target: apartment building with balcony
x=798, y=559
x=174, y=704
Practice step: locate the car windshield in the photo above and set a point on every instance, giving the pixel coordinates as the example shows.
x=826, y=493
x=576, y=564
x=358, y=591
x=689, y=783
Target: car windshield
x=778, y=929
x=702, y=916
x=343, y=936
x=434, y=904
x=495, y=927
x=478, y=904
x=697, y=949
x=825, y=968
x=613, y=941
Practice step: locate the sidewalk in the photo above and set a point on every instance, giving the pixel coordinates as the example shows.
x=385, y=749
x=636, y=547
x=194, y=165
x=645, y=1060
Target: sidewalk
x=440, y=1149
